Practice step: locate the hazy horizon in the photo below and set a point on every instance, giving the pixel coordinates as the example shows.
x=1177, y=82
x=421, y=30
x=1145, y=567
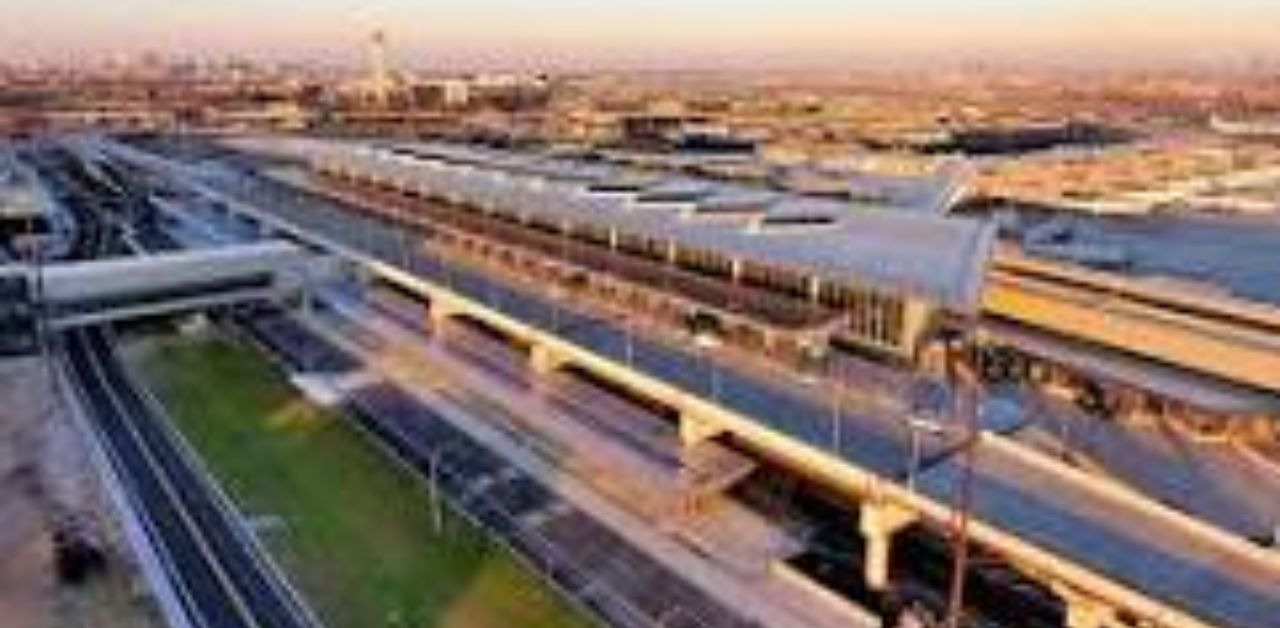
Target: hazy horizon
x=653, y=33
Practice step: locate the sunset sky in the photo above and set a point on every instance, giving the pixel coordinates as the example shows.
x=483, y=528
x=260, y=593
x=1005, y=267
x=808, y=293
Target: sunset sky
x=646, y=32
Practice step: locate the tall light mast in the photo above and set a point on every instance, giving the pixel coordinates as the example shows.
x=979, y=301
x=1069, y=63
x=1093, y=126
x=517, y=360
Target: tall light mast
x=379, y=69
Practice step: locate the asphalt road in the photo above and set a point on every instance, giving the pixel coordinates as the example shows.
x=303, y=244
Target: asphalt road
x=221, y=578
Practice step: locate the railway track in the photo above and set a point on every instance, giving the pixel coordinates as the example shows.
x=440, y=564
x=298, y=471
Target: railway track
x=221, y=577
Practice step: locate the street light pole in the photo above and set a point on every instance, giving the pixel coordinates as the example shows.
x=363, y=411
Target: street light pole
x=913, y=464
x=433, y=483
x=837, y=418
x=917, y=428
x=962, y=510
x=558, y=294
x=820, y=369
x=629, y=347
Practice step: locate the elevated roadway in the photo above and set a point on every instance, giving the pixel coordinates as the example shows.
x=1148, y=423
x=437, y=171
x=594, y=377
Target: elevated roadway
x=1114, y=557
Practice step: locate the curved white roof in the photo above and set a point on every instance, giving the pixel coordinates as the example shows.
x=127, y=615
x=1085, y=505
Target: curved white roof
x=940, y=259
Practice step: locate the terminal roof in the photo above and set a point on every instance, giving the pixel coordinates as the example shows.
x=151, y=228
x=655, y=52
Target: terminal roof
x=937, y=258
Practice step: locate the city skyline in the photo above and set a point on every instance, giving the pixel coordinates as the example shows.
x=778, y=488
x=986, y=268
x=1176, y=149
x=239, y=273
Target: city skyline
x=653, y=33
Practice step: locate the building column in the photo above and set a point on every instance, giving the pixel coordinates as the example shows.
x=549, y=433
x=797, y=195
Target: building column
x=878, y=523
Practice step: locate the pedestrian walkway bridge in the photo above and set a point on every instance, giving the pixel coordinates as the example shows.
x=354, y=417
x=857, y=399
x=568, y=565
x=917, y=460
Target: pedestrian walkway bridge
x=71, y=294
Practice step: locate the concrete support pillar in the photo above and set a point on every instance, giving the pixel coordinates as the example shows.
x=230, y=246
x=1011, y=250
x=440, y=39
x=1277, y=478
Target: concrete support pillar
x=543, y=360
x=878, y=523
x=1084, y=611
x=438, y=315
x=695, y=429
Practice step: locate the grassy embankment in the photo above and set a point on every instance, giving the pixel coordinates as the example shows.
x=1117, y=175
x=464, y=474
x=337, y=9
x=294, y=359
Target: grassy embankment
x=352, y=530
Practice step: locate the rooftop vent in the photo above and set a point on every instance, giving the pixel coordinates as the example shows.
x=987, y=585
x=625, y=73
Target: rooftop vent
x=742, y=206
x=620, y=185
x=792, y=218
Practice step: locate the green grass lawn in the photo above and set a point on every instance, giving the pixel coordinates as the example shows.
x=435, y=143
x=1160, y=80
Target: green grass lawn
x=354, y=532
